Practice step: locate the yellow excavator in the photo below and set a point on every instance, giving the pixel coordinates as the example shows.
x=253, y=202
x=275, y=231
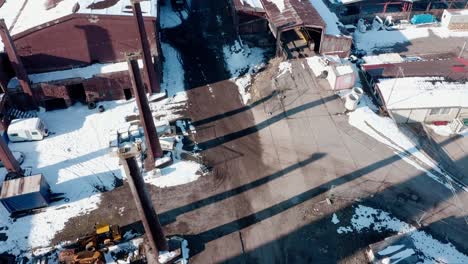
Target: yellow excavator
x=90, y=248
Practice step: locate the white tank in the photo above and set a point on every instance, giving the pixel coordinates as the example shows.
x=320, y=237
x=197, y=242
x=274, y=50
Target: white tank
x=351, y=102
x=358, y=91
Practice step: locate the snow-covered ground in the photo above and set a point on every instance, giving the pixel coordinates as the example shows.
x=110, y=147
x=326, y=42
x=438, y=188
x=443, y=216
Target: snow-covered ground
x=174, y=76
x=428, y=249
x=242, y=62
x=169, y=18
x=375, y=40
x=77, y=154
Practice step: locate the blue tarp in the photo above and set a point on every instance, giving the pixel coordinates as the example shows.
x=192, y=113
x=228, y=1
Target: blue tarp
x=423, y=19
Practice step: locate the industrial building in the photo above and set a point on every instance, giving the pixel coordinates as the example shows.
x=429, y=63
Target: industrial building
x=432, y=91
x=82, y=43
x=298, y=26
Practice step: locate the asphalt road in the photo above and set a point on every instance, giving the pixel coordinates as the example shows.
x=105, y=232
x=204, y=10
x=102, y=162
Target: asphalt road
x=275, y=161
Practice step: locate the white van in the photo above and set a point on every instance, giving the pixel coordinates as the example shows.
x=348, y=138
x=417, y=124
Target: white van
x=28, y=129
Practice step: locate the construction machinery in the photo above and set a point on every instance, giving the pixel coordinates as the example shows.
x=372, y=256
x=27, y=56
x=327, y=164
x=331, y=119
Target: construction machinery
x=89, y=249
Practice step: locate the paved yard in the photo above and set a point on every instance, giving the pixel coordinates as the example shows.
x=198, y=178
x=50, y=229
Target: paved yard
x=274, y=165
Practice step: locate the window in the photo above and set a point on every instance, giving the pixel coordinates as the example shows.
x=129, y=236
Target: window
x=440, y=111
x=34, y=133
x=14, y=135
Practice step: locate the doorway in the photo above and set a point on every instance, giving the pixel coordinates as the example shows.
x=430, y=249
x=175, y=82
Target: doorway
x=77, y=93
x=55, y=104
x=128, y=94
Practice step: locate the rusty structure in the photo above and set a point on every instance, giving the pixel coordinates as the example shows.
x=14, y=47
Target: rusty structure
x=152, y=81
x=153, y=229
x=297, y=28
x=248, y=17
x=9, y=161
x=154, y=149
x=95, y=34
x=301, y=22
x=16, y=61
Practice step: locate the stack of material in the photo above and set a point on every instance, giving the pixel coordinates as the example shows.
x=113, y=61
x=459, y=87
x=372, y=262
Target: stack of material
x=24, y=194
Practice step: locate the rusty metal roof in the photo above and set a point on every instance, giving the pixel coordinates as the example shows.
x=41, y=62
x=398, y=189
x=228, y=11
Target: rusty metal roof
x=295, y=13
x=455, y=69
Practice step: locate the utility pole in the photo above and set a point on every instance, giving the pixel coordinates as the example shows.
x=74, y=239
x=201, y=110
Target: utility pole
x=154, y=149
x=9, y=161
x=152, y=80
x=154, y=233
x=16, y=62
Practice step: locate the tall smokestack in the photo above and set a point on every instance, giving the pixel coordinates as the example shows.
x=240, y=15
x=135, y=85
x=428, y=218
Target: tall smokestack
x=153, y=229
x=15, y=60
x=154, y=150
x=152, y=80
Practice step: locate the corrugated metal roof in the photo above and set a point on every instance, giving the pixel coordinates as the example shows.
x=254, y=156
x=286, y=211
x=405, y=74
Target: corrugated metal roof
x=295, y=13
x=452, y=69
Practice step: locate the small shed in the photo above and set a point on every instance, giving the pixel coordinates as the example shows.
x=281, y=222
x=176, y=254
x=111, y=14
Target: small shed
x=25, y=193
x=339, y=74
x=455, y=19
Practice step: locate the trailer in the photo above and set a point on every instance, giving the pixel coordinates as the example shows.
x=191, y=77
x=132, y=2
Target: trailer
x=24, y=194
x=28, y=129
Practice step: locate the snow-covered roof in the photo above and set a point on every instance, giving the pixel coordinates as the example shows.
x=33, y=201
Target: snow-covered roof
x=83, y=73
x=383, y=58
x=423, y=92
x=36, y=12
x=344, y=69
x=328, y=16
x=21, y=15
x=24, y=124
x=252, y=3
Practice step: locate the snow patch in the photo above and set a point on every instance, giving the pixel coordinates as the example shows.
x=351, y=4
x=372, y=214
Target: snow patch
x=174, y=75
x=425, y=246
x=169, y=18
x=390, y=249
x=335, y=219
x=284, y=67
x=444, y=131
x=242, y=62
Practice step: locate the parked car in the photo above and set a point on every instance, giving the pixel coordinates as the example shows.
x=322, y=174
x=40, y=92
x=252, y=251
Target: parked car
x=28, y=129
x=19, y=156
